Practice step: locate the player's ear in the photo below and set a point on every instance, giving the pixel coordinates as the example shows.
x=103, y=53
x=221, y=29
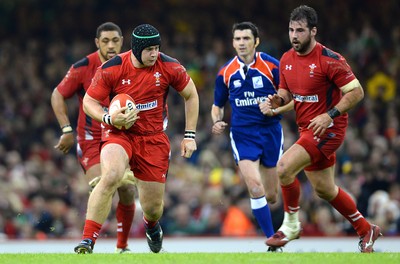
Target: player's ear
x=257, y=42
x=314, y=31
x=96, y=41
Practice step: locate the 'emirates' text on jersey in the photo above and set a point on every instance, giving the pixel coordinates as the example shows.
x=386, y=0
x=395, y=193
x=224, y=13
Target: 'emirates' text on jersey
x=245, y=91
x=77, y=81
x=147, y=86
x=314, y=81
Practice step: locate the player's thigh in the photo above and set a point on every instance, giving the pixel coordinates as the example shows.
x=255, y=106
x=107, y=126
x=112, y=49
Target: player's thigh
x=250, y=170
x=114, y=161
x=293, y=161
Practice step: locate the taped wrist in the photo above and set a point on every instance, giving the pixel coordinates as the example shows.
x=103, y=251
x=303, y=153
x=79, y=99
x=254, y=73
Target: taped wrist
x=190, y=134
x=334, y=112
x=107, y=119
x=67, y=129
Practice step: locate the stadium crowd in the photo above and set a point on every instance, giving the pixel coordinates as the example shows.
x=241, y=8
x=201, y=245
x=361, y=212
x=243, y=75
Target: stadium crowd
x=43, y=193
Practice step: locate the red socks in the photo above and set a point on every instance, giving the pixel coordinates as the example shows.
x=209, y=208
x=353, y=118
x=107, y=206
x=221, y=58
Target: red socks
x=291, y=196
x=125, y=214
x=91, y=230
x=345, y=205
x=149, y=224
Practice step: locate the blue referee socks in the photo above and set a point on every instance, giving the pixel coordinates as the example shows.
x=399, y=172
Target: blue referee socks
x=262, y=213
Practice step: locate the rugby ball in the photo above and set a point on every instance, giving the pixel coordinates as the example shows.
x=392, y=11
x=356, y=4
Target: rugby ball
x=119, y=101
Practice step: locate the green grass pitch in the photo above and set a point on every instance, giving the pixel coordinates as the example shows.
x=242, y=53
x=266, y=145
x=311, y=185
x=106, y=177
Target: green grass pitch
x=197, y=258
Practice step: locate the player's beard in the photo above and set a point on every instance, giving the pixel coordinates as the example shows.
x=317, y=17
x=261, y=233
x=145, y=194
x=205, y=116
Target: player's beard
x=302, y=47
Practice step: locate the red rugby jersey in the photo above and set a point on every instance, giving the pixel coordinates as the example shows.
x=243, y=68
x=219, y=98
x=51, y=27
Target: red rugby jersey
x=77, y=81
x=314, y=81
x=147, y=86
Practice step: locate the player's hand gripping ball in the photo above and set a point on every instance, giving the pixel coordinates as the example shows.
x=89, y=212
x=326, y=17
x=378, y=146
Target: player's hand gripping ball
x=119, y=101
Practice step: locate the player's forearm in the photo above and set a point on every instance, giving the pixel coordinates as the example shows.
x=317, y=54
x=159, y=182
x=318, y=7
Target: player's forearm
x=191, y=112
x=191, y=98
x=217, y=113
x=285, y=95
x=60, y=108
x=350, y=99
x=93, y=108
x=286, y=108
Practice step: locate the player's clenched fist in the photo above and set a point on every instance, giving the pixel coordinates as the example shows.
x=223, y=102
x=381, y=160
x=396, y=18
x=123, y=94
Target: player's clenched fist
x=188, y=146
x=219, y=127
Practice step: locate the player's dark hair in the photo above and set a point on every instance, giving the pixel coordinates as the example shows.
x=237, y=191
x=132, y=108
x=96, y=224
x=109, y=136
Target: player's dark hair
x=108, y=26
x=246, y=25
x=306, y=13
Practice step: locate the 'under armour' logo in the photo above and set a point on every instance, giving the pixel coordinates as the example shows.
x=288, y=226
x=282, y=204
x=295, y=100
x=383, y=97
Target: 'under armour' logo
x=288, y=67
x=126, y=81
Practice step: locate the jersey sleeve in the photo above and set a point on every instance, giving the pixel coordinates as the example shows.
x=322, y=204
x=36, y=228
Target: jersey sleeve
x=100, y=87
x=221, y=92
x=339, y=71
x=180, y=77
x=71, y=82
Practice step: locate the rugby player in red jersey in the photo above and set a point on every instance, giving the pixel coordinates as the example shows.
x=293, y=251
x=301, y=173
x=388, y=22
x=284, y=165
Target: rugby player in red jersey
x=323, y=88
x=76, y=82
x=146, y=75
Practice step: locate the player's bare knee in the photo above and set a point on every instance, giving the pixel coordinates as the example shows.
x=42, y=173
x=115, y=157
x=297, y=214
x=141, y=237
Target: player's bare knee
x=257, y=191
x=152, y=210
x=281, y=170
x=111, y=178
x=153, y=213
x=323, y=193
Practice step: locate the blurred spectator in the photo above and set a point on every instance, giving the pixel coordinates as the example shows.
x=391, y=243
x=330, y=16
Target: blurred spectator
x=238, y=220
x=384, y=210
x=184, y=223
